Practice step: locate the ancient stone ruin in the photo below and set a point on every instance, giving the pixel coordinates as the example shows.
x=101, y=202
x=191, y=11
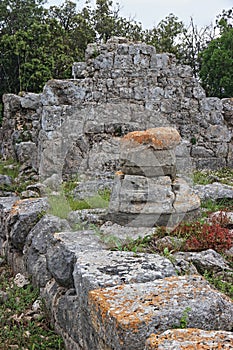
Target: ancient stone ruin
x=75, y=125
x=147, y=191
x=89, y=125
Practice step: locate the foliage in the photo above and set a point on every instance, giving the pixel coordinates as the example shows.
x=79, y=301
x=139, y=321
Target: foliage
x=216, y=70
x=201, y=235
x=166, y=36
x=210, y=205
x=204, y=177
x=9, y=167
x=209, y=237
x=59, y=205
x=62, y=203
x=21, y=327
x=38, y=44
x=194, y=41
x=184, y=319
x=217, y=281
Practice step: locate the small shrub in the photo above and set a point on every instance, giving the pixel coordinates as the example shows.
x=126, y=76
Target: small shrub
x=202, y=235
x=210, y=237
x=221, y=218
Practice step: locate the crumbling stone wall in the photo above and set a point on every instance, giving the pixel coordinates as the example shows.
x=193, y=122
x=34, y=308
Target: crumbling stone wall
x=122, y=87
x=20, y=128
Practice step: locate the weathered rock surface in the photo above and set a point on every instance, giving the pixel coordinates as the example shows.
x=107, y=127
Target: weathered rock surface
x=23, y=216
x=214, y=191
x=106, y=300
x=6, y=204
x=146, y=191
x=205, y=261
x=137, y=310
x=186, y=339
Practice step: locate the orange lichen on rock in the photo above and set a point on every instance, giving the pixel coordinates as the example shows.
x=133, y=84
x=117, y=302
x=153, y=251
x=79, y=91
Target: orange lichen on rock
x=15, y=207
x=119, y=173
x=160, y=138
x=128, y=315
x=190, y=339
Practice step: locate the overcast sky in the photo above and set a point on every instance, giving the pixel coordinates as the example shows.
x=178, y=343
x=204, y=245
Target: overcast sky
x=150, y=12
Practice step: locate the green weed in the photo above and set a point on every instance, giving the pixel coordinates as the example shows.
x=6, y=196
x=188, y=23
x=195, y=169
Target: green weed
x=204, y=177
x=21, y=327
x=59, y=205
x=217, y=281
x=210, y=205
x=9, y=167
x=184, y=319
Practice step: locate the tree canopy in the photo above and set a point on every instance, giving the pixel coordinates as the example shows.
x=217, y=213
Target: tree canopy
x=216, y=70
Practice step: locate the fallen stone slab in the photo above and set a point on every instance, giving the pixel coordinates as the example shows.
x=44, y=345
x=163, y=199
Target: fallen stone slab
x=114, y=234
x=101, y=269
x=187, y=339
x=123, y=316
x=205, y=261
x=214, y=191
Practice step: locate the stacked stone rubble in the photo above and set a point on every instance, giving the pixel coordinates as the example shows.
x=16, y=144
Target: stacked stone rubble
x=20, y=128
x=147, y=191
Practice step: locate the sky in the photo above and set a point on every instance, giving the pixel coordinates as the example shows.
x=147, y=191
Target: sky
x=150, y=12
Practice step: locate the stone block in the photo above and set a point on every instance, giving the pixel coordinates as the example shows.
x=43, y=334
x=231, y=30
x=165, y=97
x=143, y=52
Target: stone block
x=51, y=253
x=22, y=218
x=214, y=191
x=27, y=154
x=6, y=204
x=124, y=315
x=185, y=198
x=162, y=138
x=101, y=269
x=185, y=339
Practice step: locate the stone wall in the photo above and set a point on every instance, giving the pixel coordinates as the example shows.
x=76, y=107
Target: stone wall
x=20, y=129
x=121, y=87
x=113, y=300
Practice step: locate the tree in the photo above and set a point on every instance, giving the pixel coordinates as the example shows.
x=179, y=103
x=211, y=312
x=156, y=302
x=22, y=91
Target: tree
x=18, y=20
x=166, y=36
x=194, y=41
x=216, y=71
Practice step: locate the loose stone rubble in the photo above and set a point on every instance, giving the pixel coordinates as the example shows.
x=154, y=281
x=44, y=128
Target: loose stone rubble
x=147, y=191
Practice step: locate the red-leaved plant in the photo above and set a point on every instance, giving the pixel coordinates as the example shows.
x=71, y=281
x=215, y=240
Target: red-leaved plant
x=201, y=236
